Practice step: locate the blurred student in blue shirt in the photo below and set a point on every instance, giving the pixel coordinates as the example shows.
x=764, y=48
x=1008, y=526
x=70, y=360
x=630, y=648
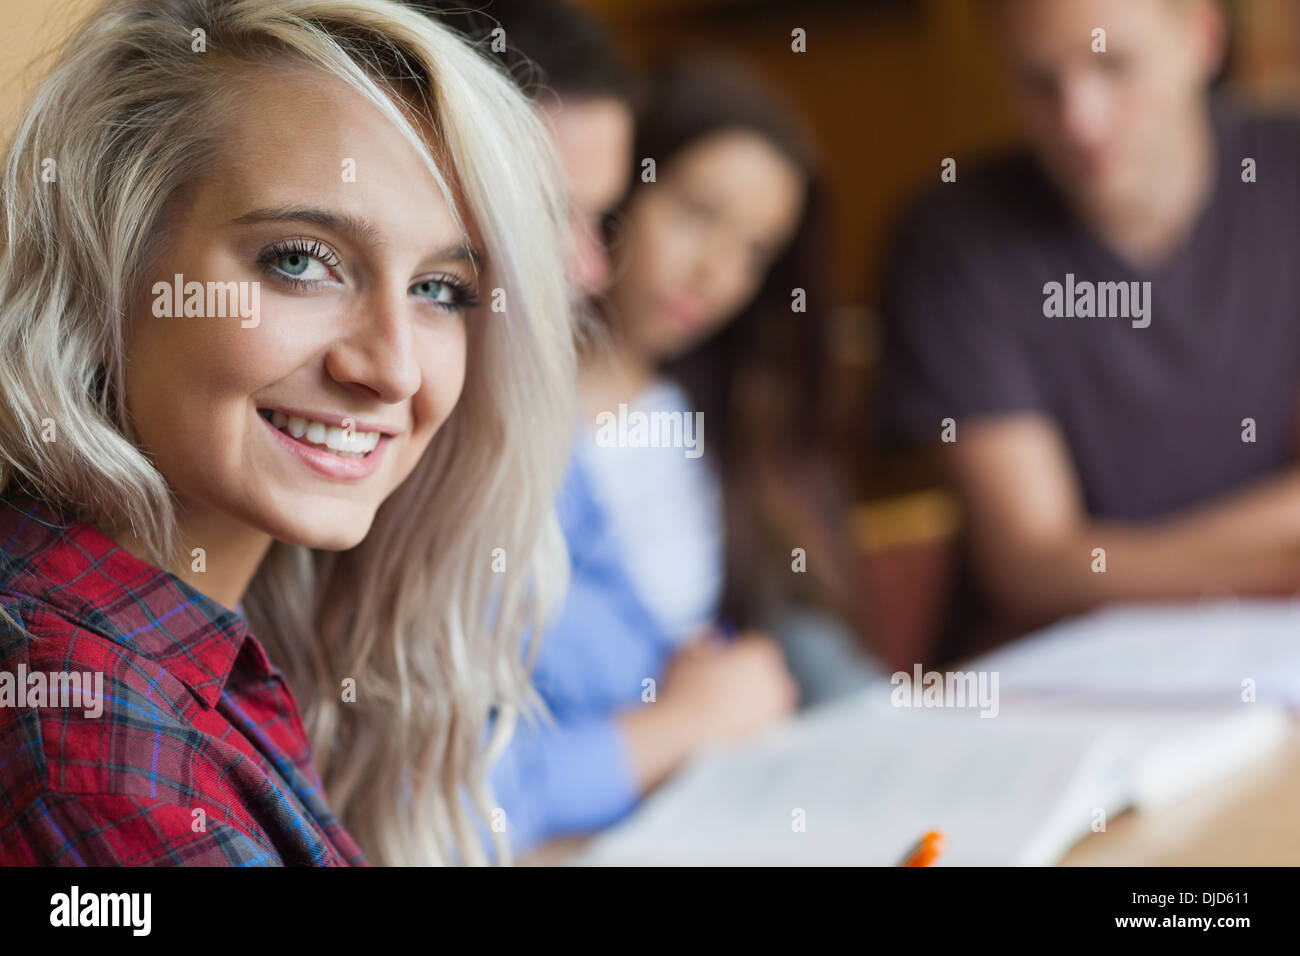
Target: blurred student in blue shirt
x=669, y=542
x=676, y=529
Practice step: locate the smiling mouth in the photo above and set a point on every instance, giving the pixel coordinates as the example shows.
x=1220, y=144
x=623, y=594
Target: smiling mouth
x=330, y=438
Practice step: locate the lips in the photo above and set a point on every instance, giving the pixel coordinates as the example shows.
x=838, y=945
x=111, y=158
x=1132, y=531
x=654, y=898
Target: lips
x=684, y=313
x=345, y=442
x=359, y=456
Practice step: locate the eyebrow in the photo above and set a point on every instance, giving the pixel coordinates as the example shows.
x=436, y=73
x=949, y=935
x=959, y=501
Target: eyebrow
x=354, y=227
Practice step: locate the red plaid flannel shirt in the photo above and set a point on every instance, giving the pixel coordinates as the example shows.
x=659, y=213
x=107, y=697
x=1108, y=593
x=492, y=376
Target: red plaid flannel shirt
x=198, y=757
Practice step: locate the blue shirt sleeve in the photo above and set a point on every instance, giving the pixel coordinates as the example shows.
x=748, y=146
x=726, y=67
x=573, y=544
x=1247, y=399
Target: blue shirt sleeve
x=555, y=781
x=577, y=776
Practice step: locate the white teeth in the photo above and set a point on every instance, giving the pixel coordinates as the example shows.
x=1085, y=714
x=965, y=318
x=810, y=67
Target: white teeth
x=359, y=443
x=338, y=440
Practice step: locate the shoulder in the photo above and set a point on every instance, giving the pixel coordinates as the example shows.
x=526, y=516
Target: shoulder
x=97, y=829
x=998, y=194
x=79, y=713
x=956, y=246
x=46, y=640
x=1257, y=122
x=1271, y=137
x=106, y=757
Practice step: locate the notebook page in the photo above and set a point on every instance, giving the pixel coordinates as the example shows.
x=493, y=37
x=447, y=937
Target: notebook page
x=1175, y=753
x=856, y=782
x=860, y=784
x=1207, y=651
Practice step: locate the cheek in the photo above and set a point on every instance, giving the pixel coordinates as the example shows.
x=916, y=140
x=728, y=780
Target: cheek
x=1133, y=97
x=734, y=288
x=188, y=378
x=1156, y=83
x=186, y=394
x=443, y=353
x=739, y=290
x=661, y=251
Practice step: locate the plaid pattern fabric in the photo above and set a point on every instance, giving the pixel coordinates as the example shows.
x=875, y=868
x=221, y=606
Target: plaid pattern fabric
x=198, y=758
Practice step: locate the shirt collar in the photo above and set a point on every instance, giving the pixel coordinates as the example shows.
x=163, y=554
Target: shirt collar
x=81, y=572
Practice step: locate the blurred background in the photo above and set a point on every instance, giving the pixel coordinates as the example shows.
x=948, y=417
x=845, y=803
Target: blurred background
x=890, y=88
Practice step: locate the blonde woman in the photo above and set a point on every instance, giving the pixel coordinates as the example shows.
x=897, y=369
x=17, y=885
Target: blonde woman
x=247, y=387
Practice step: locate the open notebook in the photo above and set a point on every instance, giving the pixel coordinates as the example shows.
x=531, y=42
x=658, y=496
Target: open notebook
x=867, y=779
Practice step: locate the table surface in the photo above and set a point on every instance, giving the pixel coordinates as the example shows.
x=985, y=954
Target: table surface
x=1250, y=820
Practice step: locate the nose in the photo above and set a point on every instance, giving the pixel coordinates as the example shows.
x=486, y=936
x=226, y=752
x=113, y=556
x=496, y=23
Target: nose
x=375, y=355
x=718, y=273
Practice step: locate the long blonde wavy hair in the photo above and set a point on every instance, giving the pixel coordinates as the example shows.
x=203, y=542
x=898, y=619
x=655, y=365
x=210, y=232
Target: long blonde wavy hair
x=416, y=613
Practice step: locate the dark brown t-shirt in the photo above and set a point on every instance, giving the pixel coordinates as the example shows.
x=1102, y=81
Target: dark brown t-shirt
x=1153, y=416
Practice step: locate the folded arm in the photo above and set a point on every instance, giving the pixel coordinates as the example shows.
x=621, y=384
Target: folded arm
x=1034, y=542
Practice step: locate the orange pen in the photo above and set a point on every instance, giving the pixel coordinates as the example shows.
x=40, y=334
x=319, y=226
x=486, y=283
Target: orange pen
x=926, y=850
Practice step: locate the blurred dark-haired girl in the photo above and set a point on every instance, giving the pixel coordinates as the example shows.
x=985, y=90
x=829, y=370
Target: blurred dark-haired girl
x=701, y=508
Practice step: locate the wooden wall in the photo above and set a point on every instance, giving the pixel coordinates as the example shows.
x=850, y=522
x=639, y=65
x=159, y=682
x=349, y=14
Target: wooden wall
x=889, y=86
x=893, y=86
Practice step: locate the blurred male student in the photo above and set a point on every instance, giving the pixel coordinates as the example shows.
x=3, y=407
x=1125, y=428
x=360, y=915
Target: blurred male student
x=565, y=62
x=1102, y=332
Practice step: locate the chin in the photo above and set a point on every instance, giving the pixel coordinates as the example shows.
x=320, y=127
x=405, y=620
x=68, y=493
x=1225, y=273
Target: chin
x=678, y=344
x=327, y=528
x=336, y=542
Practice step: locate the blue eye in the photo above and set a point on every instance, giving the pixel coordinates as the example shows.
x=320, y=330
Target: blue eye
x=302, y=268
x=445, y=293
x=438, y=291
x=301, y=263
x=294, y=265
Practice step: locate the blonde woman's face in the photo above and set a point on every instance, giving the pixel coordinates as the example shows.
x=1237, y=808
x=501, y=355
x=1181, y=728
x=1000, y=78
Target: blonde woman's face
x=298, y=412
